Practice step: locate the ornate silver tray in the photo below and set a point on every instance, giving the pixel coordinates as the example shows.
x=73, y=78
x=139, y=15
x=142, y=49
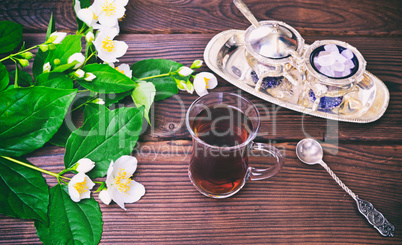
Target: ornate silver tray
x=225, y=55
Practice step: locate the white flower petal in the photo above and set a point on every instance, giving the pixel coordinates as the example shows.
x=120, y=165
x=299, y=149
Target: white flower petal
x=126, y=163
x=110, y=169
x=77, y=6
x=122, y=2
x=108, y=58
x=116, y=196
x=204, y=81
x=87, y=16
x=75, y=196
x=125, y=69
x=105, y=197
x=121, y=48
x=200, y=87
x=135, y=192
x=108, y=21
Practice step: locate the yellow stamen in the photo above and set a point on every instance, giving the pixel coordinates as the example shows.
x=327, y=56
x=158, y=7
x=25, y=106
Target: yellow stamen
x=206, y=82
x=109, y=8
x=119, y=70
x=121, y=19
x=108, y=45
x=122, y=181
x=94, y=16
x=81, y=187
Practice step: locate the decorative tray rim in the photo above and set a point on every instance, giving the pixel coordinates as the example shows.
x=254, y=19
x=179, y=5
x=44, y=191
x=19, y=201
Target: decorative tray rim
x=212, y=64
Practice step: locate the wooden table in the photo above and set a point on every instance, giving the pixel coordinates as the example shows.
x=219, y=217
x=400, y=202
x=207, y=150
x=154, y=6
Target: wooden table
x=302, y=204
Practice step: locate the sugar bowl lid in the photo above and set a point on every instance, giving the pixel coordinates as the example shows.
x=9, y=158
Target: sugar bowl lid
x=272, y=40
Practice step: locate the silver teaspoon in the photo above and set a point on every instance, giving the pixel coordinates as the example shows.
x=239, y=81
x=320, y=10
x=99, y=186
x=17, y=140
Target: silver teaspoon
x=310, y=152
x=246, y=12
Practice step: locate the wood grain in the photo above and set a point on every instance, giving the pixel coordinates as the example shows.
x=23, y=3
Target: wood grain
x=310, y=17
x=278, y=124
x=302, y=204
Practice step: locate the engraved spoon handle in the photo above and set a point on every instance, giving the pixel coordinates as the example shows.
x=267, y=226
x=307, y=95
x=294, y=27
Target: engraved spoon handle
x=373, y=216
x=246, y=12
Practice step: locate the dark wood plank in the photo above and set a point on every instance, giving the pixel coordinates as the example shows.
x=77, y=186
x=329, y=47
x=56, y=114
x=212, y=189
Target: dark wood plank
x=302, y=204
x=279, y=123
x=310, y=17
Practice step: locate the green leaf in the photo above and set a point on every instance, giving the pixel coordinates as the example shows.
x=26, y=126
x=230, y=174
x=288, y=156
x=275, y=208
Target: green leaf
x=39, y=61
x=4, y=77
x=62, y=134
x=165, y=86
x=144, y=95
x=10, y=36
x=24, y=78
x=112, y=98
x=23, y=191
x=104, y=136
x=108, y=80
x=51, y=27
x=70, y=45
x=54, y=80
x=30, y=116
x=71, y=222
x=65, y=67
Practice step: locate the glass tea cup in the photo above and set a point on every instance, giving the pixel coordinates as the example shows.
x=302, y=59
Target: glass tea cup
x=223, y=127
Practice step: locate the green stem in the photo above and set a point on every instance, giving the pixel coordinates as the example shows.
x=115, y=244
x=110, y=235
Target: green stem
x=20, y=52
x=156, y=76
x=82, y=91
x=33, y=167
x=92, y=54
x=88, y=101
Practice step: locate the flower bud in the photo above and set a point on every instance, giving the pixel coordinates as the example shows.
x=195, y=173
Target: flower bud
x=84, y=165
x=89, y=77
x=47, y=67
x=196, y=64
x=77, y=57
x=190, y=87
x=23, y=62
x=181, y=84
x=43, y=47
x=78, y=73
x=56, y=37
x=27, y=55
x=105, y=197
x=56, y=62
x=184, y=71
x=89, y=37
x=98, y=101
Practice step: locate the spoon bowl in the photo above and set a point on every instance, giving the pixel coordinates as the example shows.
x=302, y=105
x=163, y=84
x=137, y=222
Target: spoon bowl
x=309, y=151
